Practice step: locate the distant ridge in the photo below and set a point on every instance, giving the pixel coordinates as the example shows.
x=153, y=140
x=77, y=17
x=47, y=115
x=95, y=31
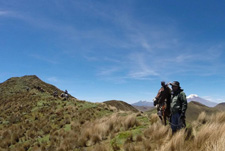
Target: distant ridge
x=143, y=103
x=220, y=106
x=121, y=105
x=195, y=108
x=143, y=108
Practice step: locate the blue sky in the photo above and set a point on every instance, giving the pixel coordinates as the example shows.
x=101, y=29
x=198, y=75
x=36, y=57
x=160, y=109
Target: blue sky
x=103, y=50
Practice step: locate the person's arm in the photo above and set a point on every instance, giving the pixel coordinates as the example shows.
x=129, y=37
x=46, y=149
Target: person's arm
x=183, y=103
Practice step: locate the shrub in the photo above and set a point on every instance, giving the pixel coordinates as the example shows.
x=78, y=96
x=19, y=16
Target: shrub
x=153, y=118
x=101, y=147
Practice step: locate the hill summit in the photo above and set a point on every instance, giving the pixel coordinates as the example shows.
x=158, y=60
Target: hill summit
x=121, y=105
x=31, y=84
x=32, y=118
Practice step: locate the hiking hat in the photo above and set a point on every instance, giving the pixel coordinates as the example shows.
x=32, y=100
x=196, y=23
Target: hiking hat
x=175, y=83
x=163, y=83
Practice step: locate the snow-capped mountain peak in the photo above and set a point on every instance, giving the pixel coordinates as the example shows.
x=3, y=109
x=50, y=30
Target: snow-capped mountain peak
x=192, y=96
x=195, y=97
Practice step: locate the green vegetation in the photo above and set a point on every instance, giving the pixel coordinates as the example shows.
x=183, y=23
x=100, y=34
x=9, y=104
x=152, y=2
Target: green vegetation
x=36, y=120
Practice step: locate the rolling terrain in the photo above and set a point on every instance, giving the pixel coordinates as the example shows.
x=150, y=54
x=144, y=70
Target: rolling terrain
x=32, y=118
x=194, y=110
x=120, y=105
x=220, y=106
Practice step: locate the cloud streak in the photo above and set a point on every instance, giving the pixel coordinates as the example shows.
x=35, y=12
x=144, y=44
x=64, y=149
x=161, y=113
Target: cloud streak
x=4, y=13
x=53, y=79
x=136, y=50
x=43, y=58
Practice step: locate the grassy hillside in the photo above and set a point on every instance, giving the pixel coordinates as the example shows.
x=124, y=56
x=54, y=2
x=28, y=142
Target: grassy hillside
x=193, y=111
x=17, y=86
x=195, y=108
x=35, y=120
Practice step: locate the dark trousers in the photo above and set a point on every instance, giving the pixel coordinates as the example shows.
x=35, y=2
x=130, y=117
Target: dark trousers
x=177, y=122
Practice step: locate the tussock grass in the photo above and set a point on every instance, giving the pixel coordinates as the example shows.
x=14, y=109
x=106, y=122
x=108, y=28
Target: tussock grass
x=130, y=121
x=153, y=118
x=218, y=118
x=35, y=120
x=101, y=147
x=202, y=118
x=207, y=133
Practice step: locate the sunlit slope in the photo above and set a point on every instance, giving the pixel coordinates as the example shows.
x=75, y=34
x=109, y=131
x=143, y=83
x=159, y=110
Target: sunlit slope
x=120, y=105
x=31, y=117
x=193, y=110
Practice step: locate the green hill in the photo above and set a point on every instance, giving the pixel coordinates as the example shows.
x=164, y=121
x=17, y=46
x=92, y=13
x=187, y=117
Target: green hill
x=193, y=110
x=220, y=106
x=31, y=118
x=22, y=88
x=120, y=105
x=30, y=113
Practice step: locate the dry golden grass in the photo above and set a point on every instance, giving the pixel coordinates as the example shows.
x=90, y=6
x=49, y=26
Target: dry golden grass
x=36, y=120
x=217, y=145
x=154, y=118
x=157, y=131
x=218, y=118
x=130, y=121
x=176, y=142
x=207, y=135
x=202, y=118
x=101, y=129
x=100, y=147
x=204, y=134
x=112, y=108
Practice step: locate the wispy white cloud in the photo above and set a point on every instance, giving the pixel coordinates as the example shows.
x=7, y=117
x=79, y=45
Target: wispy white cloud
x=4, y=13
x=163, y=52
x=217, y=99
x=139, y=67
x=43, y=58
x=149, y=49
x=53, y=79
x=109, y=71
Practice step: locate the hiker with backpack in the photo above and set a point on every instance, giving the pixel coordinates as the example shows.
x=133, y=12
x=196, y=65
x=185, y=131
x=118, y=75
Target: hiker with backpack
x=65, y=95
x=178, y=107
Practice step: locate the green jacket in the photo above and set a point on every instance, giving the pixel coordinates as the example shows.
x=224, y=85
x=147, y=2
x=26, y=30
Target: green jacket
x=178, y=102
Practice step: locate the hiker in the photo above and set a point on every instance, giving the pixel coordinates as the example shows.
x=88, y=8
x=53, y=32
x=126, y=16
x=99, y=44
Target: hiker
x=162, y=102
x=28, y=89
x=178, y=107
x=39, y=89
x=65, y=95
x=66, y=92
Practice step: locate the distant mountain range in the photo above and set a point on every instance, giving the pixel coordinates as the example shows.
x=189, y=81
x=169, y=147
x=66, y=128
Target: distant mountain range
x=192, y=97
x=143, y=103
